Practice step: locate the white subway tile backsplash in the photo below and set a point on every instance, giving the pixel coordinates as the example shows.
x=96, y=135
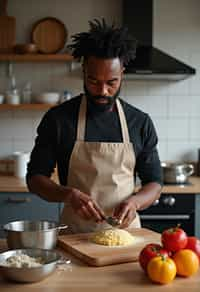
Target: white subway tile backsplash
x=179, y=150
x=22, y=127
x=157, y=88
x=135, y=88
x=179, y=87
x=195, y=129
x=155, y=106
x=22, y=145
x=162, y=150
x=5, y=147
x=179, y=106
x=161, y=126
x=194, y=106
x=7, y=126
x=194, y=146
x=194, y=85
x=178, y=129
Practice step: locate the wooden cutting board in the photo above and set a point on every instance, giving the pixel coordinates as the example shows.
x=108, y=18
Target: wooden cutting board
x=100, y=255
x=7, y=29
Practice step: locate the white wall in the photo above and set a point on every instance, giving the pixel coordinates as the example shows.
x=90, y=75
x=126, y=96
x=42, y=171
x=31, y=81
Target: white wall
x=173, y=106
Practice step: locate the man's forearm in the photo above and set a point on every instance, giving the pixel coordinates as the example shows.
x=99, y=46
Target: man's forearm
x=147, y=195
x=47, y=189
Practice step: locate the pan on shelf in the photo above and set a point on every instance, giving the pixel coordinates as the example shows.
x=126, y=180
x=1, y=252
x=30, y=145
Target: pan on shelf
x=49, y=34
x=7, y=29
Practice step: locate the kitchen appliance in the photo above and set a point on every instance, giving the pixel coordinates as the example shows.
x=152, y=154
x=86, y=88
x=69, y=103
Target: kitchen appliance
x=169, y=211
x=150, y=62
x=32, y=234
x=176, y=173
x=35, y=274
x=99, y=255
x=7, y=29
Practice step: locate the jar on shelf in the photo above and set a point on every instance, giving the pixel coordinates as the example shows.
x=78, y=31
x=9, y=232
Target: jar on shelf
x=27, y=93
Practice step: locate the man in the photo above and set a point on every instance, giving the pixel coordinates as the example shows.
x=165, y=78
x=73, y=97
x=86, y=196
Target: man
x=97, y=141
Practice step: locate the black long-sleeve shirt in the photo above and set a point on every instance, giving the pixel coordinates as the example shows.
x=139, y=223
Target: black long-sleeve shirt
x=57, y=135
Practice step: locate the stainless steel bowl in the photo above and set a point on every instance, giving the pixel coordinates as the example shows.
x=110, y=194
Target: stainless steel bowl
x=176, y=173
x=50, y=259
x=32, y=234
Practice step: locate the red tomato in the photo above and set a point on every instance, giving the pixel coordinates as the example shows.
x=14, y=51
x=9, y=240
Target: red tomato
x=194, y=244
x=150, y=251
x=174, y=239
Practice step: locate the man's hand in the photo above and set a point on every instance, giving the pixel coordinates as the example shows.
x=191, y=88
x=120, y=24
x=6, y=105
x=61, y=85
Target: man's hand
x=84, y=206
x=125, y=212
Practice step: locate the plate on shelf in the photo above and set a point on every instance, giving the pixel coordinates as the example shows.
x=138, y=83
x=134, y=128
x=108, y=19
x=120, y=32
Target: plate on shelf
x=50, y=35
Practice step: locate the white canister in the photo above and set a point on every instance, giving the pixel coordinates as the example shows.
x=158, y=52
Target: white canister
x=20, y=163
x=12, y=97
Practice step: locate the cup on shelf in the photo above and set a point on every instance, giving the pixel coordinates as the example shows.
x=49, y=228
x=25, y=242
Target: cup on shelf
x=20, y=163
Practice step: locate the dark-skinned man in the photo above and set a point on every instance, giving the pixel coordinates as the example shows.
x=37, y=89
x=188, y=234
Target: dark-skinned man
x=98, y=141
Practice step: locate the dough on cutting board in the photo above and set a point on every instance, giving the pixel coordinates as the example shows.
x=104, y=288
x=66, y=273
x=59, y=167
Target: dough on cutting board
x=112, y=237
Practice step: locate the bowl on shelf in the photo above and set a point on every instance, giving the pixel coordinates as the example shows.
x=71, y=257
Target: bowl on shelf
x=48, y=97
x=26, y=48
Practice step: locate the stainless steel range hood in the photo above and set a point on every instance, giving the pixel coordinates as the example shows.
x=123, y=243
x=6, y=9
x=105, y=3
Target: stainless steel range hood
x=150, y=62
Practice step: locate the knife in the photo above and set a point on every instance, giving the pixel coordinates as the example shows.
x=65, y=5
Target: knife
x=113, y=221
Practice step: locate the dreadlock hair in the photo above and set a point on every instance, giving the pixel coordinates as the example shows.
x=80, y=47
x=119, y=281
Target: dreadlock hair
x=104, y=41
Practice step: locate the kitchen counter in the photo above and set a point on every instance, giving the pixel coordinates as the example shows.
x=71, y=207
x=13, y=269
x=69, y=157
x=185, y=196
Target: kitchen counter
x=14, y=184
x=78, y=277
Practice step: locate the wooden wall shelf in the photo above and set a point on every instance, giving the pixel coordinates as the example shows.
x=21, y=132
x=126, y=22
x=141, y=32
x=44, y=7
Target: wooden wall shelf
x=26, y=106
x=35, y=57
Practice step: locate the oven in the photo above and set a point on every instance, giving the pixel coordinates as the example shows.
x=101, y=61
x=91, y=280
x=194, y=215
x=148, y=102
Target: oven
x=169, y=211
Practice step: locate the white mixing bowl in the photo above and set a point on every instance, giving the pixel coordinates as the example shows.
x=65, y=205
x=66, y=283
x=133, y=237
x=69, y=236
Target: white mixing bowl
x=48, y=97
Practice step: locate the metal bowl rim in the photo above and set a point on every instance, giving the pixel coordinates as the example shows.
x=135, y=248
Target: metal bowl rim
x=175, y=164
x=6, y=226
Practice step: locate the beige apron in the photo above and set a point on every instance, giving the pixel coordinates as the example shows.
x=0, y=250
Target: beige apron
x=105, y=171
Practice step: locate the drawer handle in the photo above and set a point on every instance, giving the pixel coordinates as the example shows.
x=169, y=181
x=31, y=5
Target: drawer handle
x=18, y=200
x=165, y=217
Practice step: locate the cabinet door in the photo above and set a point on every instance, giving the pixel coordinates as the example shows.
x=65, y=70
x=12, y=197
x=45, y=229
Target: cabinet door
x=26, y=206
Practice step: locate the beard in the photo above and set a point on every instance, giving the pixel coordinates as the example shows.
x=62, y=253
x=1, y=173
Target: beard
x=101, y=107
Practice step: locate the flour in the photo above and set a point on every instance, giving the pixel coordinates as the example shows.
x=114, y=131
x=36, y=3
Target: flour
x=22, y=261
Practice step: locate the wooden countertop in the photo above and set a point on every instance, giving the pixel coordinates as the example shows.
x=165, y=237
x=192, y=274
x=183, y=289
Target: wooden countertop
x=78, y=277
x=14, y=184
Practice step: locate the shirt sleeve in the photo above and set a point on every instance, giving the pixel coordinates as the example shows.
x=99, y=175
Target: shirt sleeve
x=43, y=155
x=148, y=166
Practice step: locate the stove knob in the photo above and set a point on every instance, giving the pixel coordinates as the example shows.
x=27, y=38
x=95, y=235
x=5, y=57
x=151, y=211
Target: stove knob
x=156, y=202
x=172, y=201
x=169, y=201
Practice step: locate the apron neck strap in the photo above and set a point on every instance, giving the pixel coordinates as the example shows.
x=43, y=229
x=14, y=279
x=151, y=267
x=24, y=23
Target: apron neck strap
x=82, y=120
x=122, y=118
